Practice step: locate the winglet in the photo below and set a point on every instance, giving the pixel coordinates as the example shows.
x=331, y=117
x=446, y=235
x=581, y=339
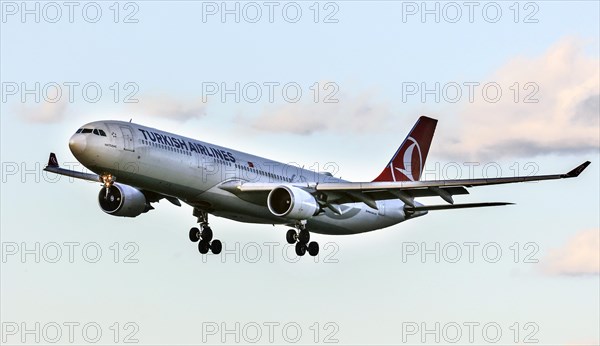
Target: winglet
x=577, y=170
x=52, y=161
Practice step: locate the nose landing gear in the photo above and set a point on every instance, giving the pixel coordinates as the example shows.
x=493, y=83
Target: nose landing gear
x=107, y=181
x=302, y=240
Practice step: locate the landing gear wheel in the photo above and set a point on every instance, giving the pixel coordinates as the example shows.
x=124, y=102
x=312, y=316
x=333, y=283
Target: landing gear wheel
x=194, y=234
x=300, y=249
x=291, y=236
x=304, y=237
x=216, y=246
x=207, y=234
x=203, y=246
x=313, y=248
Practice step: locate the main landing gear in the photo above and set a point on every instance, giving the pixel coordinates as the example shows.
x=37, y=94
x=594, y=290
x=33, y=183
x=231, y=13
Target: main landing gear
x=302, y=240
x=204, y=235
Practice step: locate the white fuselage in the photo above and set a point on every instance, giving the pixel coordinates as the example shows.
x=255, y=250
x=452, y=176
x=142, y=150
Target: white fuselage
x=193, y=171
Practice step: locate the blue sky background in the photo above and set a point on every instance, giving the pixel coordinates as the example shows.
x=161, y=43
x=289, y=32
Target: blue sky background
x=372, y=287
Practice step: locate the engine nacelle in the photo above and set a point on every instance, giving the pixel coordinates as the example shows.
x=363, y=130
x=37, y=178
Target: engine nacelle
x=292, y=202
x=122, y=200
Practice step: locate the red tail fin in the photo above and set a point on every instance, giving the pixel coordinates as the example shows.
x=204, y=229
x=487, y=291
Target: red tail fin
x=409, y=160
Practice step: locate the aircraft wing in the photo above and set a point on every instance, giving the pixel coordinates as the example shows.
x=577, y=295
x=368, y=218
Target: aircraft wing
x=370, y=192
x=54, y=167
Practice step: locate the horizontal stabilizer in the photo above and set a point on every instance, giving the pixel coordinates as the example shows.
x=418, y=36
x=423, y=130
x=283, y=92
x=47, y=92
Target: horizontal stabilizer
x=455, y=206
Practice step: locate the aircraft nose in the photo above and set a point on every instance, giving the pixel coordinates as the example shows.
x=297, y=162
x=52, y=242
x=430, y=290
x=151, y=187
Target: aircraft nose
x=77, y=144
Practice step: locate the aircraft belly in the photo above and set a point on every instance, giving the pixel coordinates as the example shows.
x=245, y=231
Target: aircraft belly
x=358, y=218
x=224, y=204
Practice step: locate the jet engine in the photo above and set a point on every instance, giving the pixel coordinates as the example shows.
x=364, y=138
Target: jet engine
x=123, y=200
x=292, y=202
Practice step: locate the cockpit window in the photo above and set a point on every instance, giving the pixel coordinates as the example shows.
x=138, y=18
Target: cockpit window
x=97, y=132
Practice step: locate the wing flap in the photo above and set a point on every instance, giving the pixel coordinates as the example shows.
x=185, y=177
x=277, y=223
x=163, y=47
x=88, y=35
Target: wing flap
x=454, y=206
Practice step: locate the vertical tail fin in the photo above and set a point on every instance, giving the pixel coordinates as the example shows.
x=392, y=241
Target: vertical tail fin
x=408, y=162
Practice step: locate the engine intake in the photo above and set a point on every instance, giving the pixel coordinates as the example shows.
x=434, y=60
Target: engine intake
x=292, y=202
x=122, y=200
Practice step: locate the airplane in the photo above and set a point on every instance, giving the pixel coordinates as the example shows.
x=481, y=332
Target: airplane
x=139, y=165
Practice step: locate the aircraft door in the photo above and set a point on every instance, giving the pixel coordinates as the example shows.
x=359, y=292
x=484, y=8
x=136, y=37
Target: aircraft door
x=127, y=138
x=199, y=160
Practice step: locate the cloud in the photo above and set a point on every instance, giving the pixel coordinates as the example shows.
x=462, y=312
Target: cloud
x=565, y=120
x=164, y=106
x=44, y=112
x=151, y=105
x=350, y=114
x=579, y=256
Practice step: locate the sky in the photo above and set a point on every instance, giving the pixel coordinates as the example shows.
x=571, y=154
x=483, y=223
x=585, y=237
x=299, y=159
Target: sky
x=333, y=86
